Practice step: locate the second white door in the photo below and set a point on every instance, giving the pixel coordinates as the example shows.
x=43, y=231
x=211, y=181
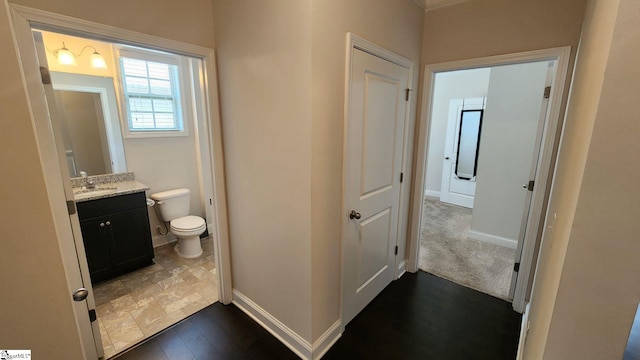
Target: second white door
x=455, y=190
x=374, y=143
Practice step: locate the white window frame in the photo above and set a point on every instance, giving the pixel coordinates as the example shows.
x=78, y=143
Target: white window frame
x=184, y=92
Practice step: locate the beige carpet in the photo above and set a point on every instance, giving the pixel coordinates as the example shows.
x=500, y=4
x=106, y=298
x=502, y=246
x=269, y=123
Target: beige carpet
x=445, y=251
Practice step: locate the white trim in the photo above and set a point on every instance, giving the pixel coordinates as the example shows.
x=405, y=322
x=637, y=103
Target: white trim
x=282, y=332
x=402, y=268
x=22, y=19
x=544, y=176
x=359, y=43
x=432, y=193
x=326, y=341
x=544, y=173
x=493, y=239
x=524, y=331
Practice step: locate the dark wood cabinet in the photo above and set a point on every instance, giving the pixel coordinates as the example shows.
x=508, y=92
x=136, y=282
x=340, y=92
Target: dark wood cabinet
x=116, y=235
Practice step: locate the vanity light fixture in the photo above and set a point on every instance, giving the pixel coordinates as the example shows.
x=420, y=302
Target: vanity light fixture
x=66, y=57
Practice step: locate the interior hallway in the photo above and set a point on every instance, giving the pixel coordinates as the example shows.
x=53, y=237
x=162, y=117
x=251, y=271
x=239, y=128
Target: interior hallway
x=419, y=316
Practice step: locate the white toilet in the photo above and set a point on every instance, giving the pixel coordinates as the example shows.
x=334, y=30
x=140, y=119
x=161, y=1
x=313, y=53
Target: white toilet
x=173, y=206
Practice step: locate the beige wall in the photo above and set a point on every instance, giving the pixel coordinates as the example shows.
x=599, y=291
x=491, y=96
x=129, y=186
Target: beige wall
x=395, y=25
x=282, y=99
x=490, y=27
x=264, y=62
x=599, y=289
x=580, y=117
x=190, y=21
x=37, y=308
x=597, y=283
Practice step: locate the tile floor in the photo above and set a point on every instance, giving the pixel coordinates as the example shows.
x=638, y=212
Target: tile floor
x=137, y=305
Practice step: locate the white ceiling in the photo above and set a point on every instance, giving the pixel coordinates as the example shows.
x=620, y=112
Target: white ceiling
x=427, y=5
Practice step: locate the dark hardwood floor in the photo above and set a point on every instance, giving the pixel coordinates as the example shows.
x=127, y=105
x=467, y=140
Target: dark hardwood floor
x=420, y=316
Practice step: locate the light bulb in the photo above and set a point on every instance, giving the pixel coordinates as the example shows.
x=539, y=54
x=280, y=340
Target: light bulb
x=97, y=61
x=65, y=57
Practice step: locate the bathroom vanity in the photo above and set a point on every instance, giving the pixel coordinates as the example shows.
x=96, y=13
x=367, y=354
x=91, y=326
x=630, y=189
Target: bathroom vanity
x=115, y=229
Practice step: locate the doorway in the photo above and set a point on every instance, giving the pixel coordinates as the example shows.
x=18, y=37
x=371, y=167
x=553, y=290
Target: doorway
x=57, y=166
x=520, y=241
x=132, y=303
x=470, y=234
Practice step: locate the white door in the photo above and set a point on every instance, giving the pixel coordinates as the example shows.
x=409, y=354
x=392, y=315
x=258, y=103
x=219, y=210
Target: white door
x=512, y=128
x=373, y=162
x=454, y=189
x=85, y=306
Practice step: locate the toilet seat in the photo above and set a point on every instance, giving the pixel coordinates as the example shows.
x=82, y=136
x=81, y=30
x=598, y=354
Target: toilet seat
x=187, y=226
x=187, y=223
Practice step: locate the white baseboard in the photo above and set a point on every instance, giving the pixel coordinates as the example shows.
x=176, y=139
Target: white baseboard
x=282, y=332
x=493, y=239
x=326, y=341
x=432, y=193
x=402, y=268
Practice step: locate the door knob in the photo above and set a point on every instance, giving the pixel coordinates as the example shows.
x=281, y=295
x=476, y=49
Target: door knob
x=108, y=223
x=447, y=158
x=354, y=215
x=101, y=224
x=80, y=294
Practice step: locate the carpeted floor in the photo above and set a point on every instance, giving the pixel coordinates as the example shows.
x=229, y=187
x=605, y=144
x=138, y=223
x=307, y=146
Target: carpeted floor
x=445, y=251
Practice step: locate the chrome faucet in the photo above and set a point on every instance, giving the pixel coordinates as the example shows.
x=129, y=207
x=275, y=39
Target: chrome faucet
x=89, y=182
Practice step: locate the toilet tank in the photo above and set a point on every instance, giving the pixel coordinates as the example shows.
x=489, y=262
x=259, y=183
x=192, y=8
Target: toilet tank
x=172, y=204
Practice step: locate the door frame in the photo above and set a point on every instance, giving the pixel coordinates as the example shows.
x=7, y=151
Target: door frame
x=355, y=42
x=76, y=268
x=546, y=158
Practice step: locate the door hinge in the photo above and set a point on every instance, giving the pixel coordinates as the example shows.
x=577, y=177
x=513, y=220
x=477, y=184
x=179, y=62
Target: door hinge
x=92, y=315
x=516, y=267
x=396, y=250
x=71, y=207
x=408, y=94
x=547, y=92
x=45, y=76
x=401, y=176
x=530, y=185
x=210, y=202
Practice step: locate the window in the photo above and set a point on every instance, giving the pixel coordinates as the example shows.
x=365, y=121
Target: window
x=153, y=93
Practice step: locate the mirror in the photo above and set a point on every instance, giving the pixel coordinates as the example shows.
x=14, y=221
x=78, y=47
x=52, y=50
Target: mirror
x=468, y=144
x=91, y=125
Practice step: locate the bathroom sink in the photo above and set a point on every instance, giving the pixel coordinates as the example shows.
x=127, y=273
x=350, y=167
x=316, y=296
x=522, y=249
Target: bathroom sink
x=97, y=191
